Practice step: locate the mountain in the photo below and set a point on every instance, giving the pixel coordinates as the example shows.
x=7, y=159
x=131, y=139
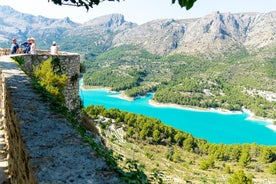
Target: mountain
x=14, y=24
x=216, y=33
x=95, y=35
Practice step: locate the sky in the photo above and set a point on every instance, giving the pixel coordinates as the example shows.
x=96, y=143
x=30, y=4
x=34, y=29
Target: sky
x=140, y=11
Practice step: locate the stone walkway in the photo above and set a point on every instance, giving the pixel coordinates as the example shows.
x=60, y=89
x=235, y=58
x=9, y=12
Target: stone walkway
x=57, y=153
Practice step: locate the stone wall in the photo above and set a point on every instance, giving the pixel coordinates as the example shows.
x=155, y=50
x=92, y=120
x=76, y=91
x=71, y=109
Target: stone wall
x=18, y=167
x=41, y=145
x=70, y=66
x=4, y=51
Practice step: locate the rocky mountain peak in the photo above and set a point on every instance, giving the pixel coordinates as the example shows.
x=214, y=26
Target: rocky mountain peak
x=112, y=20
x=6, y=10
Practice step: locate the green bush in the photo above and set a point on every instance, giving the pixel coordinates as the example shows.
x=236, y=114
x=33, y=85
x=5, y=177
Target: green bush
x=52, y=81
x=206, y=164
x=227, y=169
x=19, y=59
x=239, y=177
x=272, y=168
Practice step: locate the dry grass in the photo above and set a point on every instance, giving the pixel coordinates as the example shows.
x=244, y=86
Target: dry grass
x=185, y=167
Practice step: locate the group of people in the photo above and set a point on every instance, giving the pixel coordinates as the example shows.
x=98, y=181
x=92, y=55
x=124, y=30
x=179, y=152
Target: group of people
x=30, y=47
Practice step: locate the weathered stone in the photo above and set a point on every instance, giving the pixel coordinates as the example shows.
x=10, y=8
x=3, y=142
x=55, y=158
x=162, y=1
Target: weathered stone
x=70, y=65
x=41, y=145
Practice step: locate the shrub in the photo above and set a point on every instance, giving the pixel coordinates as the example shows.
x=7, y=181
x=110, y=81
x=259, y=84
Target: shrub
x=206, y=164
x=272, y=168
x=19, y=59
x=51, y=79
x=227, y=169
x=239, y=177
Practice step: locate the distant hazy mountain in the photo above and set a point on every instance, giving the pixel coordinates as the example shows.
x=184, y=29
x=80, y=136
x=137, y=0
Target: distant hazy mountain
x=216, y=33
x=22, y=26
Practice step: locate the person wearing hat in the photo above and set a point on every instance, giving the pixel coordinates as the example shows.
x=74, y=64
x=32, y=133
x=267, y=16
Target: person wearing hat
x=14, y=47
x=27, y=46
x=33, y=46
x=54, y=48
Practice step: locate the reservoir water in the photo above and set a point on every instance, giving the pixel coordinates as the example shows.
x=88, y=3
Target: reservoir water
x=212, y=126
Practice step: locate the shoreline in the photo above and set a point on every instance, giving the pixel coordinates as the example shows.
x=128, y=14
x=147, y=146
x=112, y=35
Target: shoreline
x=85, y=87
x=200, y=109
x=251, y=116
x=151, y=102
x=124, y=97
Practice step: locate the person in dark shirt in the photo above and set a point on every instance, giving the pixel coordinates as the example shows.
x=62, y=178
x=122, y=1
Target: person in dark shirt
x=27, y=46
x=14, y=47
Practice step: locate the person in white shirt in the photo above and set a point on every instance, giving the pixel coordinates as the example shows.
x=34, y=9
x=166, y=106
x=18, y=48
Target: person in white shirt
x=54, y=48
x=33, y=46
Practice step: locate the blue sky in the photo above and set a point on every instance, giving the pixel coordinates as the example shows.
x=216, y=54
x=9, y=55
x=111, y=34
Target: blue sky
x=140, y=11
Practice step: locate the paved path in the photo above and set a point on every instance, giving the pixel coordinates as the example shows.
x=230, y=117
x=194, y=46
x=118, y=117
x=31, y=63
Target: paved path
x=57, y=152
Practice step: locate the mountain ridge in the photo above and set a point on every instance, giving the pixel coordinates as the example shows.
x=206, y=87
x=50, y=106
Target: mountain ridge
x=215, y=33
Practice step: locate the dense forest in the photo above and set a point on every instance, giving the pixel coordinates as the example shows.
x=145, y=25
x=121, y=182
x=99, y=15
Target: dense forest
x=232, y=82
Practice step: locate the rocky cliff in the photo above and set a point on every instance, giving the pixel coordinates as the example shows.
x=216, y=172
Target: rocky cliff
x=215, y=33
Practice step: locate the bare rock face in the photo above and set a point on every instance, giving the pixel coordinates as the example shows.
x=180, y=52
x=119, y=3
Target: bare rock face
x=95, y=35
x=262, y=31
x=112, y=21
x=159, y=36
x=214, y=33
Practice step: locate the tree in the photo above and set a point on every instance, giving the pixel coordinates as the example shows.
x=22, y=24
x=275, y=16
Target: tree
x=272, y=168
x=206, y=164
x=156, y=136
x=245, y=158
x=189, y=144
x=267, y=155
x=90, y=3
x=239, y=177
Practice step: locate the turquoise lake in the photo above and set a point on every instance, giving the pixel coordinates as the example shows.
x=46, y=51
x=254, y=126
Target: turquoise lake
x=212, y=126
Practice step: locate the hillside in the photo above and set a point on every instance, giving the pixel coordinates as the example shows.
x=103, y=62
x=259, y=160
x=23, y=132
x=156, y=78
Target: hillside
x=168, y=155
x=234, y=82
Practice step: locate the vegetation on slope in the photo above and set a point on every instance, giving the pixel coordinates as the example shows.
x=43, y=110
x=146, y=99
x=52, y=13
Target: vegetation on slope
x=178, y=157
x=232, y=82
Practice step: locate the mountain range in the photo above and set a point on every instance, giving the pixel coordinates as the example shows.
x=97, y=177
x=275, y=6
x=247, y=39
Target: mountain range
x=216, y=33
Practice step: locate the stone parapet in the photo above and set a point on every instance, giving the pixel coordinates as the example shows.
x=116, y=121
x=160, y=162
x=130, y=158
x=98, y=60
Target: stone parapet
x=70, y=66
x=4, y=51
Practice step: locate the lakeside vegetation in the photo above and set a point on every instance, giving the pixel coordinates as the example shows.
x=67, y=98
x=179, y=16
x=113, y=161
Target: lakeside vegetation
x=177, y=156
x=233, y=82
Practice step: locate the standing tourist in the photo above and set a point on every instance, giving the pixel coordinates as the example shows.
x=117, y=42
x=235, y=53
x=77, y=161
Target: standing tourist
x=33, y=46
x=54, y=48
